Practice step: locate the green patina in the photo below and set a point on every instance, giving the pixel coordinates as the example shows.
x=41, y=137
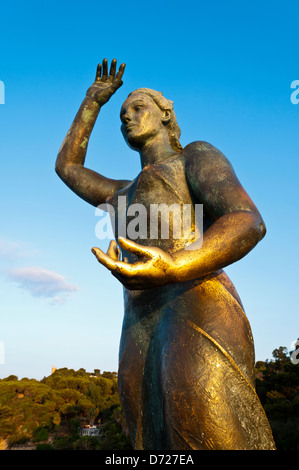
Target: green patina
x=84, y=143
x=87, y=114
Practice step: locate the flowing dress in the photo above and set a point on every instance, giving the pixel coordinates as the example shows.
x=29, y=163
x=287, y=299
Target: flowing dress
x=186, y=357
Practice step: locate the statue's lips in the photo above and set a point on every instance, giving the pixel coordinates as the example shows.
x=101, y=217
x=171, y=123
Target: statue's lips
x=129, y=127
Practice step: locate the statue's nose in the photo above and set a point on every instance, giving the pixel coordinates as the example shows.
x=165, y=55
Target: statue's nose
x=126, y=118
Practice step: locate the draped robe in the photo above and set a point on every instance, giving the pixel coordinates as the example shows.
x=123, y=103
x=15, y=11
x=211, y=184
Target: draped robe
x=186, y=358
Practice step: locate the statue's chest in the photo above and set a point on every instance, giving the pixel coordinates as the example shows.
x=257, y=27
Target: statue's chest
x=152, y=205
x=157, y=184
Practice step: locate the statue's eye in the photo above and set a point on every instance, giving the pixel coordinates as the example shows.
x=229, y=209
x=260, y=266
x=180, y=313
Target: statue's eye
x=138, y=107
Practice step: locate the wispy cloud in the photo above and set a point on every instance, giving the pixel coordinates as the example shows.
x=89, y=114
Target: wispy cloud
x=40, y=282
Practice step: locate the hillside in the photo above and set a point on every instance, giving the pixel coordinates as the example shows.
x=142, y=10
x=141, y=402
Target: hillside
x=49, y=414
x=277, y=385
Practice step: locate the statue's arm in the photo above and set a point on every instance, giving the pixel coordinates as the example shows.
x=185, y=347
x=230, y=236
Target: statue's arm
x=89, y=185
x=237, y=224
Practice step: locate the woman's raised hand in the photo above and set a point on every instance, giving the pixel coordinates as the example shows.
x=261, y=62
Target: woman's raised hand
x=105, y=84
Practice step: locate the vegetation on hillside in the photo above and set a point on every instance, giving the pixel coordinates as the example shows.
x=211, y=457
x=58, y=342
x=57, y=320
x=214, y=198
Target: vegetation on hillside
x=277, y=385
x=48, y=414
x=51, y=412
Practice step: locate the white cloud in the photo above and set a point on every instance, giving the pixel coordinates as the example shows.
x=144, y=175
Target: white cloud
x=42, y=283
x=39, y=282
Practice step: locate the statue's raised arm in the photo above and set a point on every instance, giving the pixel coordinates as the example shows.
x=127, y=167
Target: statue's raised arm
x=89, y=185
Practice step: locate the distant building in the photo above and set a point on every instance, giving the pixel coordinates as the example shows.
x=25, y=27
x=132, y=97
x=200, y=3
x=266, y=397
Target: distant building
x=53, y=369
x=90, y=431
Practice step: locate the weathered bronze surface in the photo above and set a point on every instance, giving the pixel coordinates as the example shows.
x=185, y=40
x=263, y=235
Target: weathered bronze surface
x=186, y=359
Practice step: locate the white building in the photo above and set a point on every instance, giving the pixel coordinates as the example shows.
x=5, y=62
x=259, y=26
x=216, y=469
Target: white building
x=90, y=431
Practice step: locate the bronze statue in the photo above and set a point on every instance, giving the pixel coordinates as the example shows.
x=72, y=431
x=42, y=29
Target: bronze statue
x=186, y=359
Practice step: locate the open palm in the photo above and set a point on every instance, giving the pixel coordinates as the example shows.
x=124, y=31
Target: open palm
x=105, y=85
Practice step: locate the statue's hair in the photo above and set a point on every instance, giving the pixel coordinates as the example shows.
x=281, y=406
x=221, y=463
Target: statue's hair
x=164, y=104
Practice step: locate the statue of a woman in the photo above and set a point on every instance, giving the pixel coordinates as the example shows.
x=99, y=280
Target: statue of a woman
x=186, y=359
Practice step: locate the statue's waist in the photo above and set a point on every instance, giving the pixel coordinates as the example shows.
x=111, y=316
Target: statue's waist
x=197, y=294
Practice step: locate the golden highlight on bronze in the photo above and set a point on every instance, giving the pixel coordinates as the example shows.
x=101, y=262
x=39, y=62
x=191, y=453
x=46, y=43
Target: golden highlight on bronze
x=186, y=358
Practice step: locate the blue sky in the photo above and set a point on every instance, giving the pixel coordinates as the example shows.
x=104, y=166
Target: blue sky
x=228, y=67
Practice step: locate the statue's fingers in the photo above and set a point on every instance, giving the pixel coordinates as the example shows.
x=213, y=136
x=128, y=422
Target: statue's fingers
x=134, y=248
x=113, y=250
x=112, y=70
x=105, y=70
x=120, y=72
x=113, y=265
x=104, y=259
x=99, y=72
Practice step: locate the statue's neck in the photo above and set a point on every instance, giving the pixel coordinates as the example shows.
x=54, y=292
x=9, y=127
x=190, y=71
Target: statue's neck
x=156, y=150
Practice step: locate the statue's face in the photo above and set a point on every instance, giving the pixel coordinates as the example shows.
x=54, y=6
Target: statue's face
x=141, y=120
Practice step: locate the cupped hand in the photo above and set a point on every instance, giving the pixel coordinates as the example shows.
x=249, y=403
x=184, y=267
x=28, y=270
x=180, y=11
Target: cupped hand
x=105, y=85
x=155, y=268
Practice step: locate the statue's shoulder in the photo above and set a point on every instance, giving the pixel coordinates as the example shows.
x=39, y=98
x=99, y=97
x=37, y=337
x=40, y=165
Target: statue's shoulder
x=201, y=153
x=198, y=146
x=204, y=162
